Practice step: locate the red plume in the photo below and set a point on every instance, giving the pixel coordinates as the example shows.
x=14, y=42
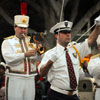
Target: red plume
x=23, y=8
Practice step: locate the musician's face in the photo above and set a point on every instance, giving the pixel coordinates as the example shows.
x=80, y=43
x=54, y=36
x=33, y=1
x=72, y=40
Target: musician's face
x=64, y=39
x=20, y=30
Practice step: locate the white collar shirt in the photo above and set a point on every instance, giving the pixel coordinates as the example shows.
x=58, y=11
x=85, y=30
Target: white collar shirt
x=58, y=74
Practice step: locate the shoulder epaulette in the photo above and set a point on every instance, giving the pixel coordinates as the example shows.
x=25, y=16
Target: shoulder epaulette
x=95, y=56
x=9, y=37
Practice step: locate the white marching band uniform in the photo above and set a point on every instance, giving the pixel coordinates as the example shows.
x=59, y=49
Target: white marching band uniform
x=94, y=70
x=20, y=70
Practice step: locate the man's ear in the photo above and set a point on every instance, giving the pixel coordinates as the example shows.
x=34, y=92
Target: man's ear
x=56, y=35
x=14, y=27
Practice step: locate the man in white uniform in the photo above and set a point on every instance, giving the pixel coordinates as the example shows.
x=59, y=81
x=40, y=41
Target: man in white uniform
x=20, y=58
x=54, y=63
x=94, y=69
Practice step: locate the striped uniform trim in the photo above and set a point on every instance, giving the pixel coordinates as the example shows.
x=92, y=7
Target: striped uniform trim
x=7, y=85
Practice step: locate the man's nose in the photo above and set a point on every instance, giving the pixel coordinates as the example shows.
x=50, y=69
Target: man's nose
x=68, y=35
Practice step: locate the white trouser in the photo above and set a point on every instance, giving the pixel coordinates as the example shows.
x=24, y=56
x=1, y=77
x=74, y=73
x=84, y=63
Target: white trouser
x=21, y=88
x=97, y=94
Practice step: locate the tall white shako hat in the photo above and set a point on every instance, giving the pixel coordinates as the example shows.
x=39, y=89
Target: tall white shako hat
x=64, y=26
x=21, y=21
x=98, y=40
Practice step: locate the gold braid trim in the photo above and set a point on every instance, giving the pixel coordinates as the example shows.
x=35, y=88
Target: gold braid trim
x=77, y=53
x=95, y=56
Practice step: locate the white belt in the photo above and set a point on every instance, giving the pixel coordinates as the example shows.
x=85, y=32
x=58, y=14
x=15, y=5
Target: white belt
x=66, y=92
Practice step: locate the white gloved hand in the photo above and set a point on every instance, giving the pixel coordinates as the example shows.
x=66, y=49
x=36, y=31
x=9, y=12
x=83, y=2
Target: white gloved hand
x=97, y=21
x=53, y=58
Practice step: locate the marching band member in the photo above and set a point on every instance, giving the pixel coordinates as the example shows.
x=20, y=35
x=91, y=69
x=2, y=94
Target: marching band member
x=57, y=61
x=94, y=69
x=20, y=59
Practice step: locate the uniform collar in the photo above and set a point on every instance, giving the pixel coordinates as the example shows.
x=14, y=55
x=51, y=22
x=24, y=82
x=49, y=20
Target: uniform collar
x=60, y=47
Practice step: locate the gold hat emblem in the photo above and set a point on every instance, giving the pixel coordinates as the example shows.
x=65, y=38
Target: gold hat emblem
x=24, y=20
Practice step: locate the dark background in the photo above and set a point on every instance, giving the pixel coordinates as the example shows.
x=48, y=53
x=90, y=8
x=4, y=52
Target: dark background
x=45, y=13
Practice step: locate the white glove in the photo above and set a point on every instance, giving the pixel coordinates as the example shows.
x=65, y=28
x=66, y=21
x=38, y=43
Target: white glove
x=53, y=58
x=97, y=21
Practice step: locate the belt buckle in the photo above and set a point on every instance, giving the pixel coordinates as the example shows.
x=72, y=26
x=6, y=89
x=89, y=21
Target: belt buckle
x=70, y=92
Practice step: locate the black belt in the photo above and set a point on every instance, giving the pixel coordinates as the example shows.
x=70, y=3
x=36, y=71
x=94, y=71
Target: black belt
x=66, y=92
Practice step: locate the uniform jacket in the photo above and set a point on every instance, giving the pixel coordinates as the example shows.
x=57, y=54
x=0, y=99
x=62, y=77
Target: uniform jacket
x=13, y=52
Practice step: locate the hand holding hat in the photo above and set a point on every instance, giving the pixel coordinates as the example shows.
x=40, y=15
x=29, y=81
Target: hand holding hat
x=97, y=21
